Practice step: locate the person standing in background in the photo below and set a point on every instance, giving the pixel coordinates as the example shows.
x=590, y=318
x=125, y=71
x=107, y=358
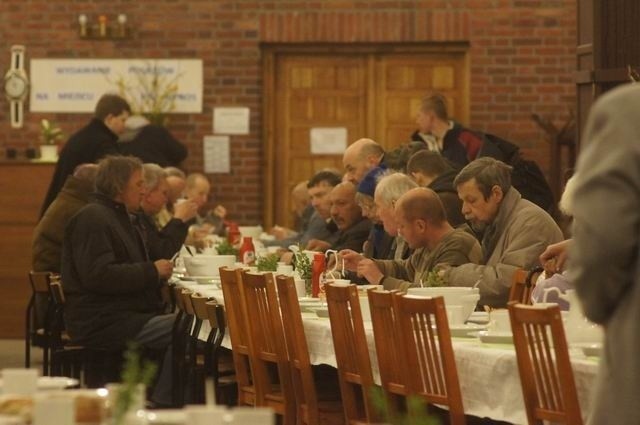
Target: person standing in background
x=96, y=140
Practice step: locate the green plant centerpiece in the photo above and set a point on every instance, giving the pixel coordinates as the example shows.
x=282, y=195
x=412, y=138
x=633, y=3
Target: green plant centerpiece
x=50, y=133
x=268, y=263
x=225, y=248
x=433, y=279
x=302, y=265
x=135, y=373
x=416, y=410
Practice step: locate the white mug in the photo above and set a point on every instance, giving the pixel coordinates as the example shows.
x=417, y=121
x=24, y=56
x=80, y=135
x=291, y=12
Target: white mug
x=301, y=291
x=455, y=315
x=499, y=321
x=20, y=381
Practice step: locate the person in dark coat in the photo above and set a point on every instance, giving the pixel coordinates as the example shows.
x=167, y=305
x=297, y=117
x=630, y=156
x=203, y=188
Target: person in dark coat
x=151, y=143
x=353, y=227
x=432, y=170
x=95, y=141
x=112, y=288
x=379, y=244
x=47, y=237
x=166, y=242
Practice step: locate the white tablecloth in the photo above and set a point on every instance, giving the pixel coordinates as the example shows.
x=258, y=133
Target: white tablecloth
x=488, y=373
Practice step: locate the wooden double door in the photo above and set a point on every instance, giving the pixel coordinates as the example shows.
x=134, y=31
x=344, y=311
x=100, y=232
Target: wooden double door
x=371, y=92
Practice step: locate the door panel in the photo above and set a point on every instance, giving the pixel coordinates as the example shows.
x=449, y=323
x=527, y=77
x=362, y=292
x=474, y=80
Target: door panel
x=372, y=94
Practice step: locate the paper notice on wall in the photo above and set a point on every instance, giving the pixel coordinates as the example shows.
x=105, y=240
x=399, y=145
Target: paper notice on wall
x=328, y=140
x=231, y=120
x=216, y=154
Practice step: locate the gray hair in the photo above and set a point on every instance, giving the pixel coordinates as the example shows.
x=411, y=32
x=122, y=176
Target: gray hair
x=488, y=172
x=153, y=175
x=392, y=185
x=114, y=173
x=174, y=172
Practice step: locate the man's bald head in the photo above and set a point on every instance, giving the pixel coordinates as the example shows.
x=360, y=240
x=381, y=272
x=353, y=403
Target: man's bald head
x=345, y=212
x=361, y=157
x=421, y=204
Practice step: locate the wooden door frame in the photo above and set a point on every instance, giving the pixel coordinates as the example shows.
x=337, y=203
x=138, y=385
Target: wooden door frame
x=270, y=55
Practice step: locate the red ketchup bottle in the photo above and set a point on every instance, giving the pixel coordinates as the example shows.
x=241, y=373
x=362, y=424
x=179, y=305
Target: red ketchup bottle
x=247, y=251
x=317, y=269
x=233, y=234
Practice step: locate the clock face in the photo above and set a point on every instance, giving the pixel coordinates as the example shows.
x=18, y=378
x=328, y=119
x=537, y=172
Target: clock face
x=15, y=86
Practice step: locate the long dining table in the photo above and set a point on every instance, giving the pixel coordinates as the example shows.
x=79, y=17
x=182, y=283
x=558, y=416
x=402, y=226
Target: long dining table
x=488, y=373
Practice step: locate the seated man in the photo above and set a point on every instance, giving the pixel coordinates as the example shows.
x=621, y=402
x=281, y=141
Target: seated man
x=197, y=190
x=302, y=211
x=379, y=244
x=112, y=289
x=432, y=170
x=177, y=181
x=166, y=242
x=515, y=231
x=359, y=158
x=322, y=231
x=389, y=189
x=422, y=222
x=353, y=228
x=47, y=237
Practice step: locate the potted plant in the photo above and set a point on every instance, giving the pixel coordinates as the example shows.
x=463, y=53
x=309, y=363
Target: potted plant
x=50, y=134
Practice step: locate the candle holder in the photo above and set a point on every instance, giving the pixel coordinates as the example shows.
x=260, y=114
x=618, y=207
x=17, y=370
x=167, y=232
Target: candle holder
x=104, y=28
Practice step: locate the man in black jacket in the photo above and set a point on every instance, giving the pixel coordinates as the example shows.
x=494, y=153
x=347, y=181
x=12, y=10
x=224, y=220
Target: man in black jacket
x=166, y=242
x=112, y=288
x=95, y=141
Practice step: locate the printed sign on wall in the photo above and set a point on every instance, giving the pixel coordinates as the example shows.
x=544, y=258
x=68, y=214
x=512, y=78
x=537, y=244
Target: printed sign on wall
x=75, y=85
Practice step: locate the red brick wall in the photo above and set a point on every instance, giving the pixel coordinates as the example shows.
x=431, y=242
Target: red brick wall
x=522, y=59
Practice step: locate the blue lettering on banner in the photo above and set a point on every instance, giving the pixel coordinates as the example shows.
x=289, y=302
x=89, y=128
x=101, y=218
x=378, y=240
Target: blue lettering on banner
x=42, y=96
x=156, y=70
x=75, y=96
x=185, y=97
x=83, y=70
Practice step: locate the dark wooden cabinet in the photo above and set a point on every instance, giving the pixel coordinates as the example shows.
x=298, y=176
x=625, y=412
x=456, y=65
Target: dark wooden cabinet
x=22, y=188
x=608, y=47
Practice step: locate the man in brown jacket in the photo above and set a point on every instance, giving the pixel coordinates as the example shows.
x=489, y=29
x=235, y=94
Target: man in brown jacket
x=423, y=224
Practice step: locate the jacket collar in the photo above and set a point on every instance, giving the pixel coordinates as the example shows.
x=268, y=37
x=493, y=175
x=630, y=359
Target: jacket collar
x=119, y=207
x=100, y=126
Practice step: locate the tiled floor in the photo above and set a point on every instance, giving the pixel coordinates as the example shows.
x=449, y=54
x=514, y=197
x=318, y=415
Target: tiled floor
x=12, y=354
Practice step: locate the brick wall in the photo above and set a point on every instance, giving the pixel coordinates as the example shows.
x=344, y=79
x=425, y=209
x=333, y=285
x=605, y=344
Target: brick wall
x=522, y=59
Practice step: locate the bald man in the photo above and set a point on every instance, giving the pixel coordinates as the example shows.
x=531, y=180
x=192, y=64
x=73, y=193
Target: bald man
x=422, y=222
x=359, y=158
x=353, y=228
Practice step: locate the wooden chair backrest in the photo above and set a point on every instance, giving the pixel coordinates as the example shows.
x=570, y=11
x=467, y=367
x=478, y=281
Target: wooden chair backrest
x=352, y=352
x=177, y=293
x=546, y=376
x=199, y=304
x=522, y=285
x=40, y=281
x=216, y=315
x=268, y=346
x=430, y=365
x=388, y=341
x=236, y=316
x=297, y=350
x=57, y=293
x=187, y=303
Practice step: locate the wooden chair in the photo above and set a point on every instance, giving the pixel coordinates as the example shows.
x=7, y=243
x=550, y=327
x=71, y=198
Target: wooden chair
x=389, y=349
x=352, y=352
x=37, y=320
x=548, y=386
x=268, y=349
x=429, y=364
x=522, y=285
x=310, y=408
x=238, y=333
x=179, y=345
x=218, y=366
x=197, y=369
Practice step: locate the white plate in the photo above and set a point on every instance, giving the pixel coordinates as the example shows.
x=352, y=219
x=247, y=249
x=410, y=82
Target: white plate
x=479, y=317
x=590, y=349
x=463, y=331
x=166, y=417
x=202, y=280
x=489, y=337
x=53, y=383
